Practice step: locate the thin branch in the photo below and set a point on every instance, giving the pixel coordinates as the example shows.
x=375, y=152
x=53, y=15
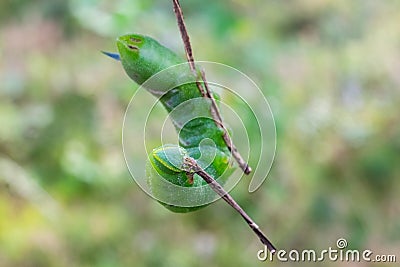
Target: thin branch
x=228, y=141
x=192, y=166
x=190, y=163
x=205, y=92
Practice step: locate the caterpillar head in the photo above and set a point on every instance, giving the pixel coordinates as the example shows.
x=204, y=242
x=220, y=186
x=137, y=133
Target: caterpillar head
x=142, y=56
x=131, y=48
x=130, y=44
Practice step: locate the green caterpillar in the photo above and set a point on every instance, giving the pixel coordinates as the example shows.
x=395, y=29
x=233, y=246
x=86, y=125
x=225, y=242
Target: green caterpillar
x=142, y=57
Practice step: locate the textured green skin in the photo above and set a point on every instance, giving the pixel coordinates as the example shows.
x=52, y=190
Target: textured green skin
x=142, y=57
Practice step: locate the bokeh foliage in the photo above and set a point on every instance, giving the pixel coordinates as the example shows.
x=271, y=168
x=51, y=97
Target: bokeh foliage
x=330, y=70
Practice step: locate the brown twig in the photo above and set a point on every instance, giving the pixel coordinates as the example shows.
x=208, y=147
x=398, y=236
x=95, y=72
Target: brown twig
x=205, y=92
x=192, y=166
x=190, y=163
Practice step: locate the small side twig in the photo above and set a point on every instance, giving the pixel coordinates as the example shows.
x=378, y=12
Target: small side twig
x=205, y=92
x=192, y=166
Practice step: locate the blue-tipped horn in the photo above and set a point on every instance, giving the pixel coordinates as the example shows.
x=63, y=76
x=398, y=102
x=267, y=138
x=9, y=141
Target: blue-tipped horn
x=112, y=55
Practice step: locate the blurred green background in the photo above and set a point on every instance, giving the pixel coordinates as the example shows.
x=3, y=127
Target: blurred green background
x=330, y=69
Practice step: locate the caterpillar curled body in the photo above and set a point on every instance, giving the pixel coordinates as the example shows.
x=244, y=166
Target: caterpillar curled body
x=142, y=57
